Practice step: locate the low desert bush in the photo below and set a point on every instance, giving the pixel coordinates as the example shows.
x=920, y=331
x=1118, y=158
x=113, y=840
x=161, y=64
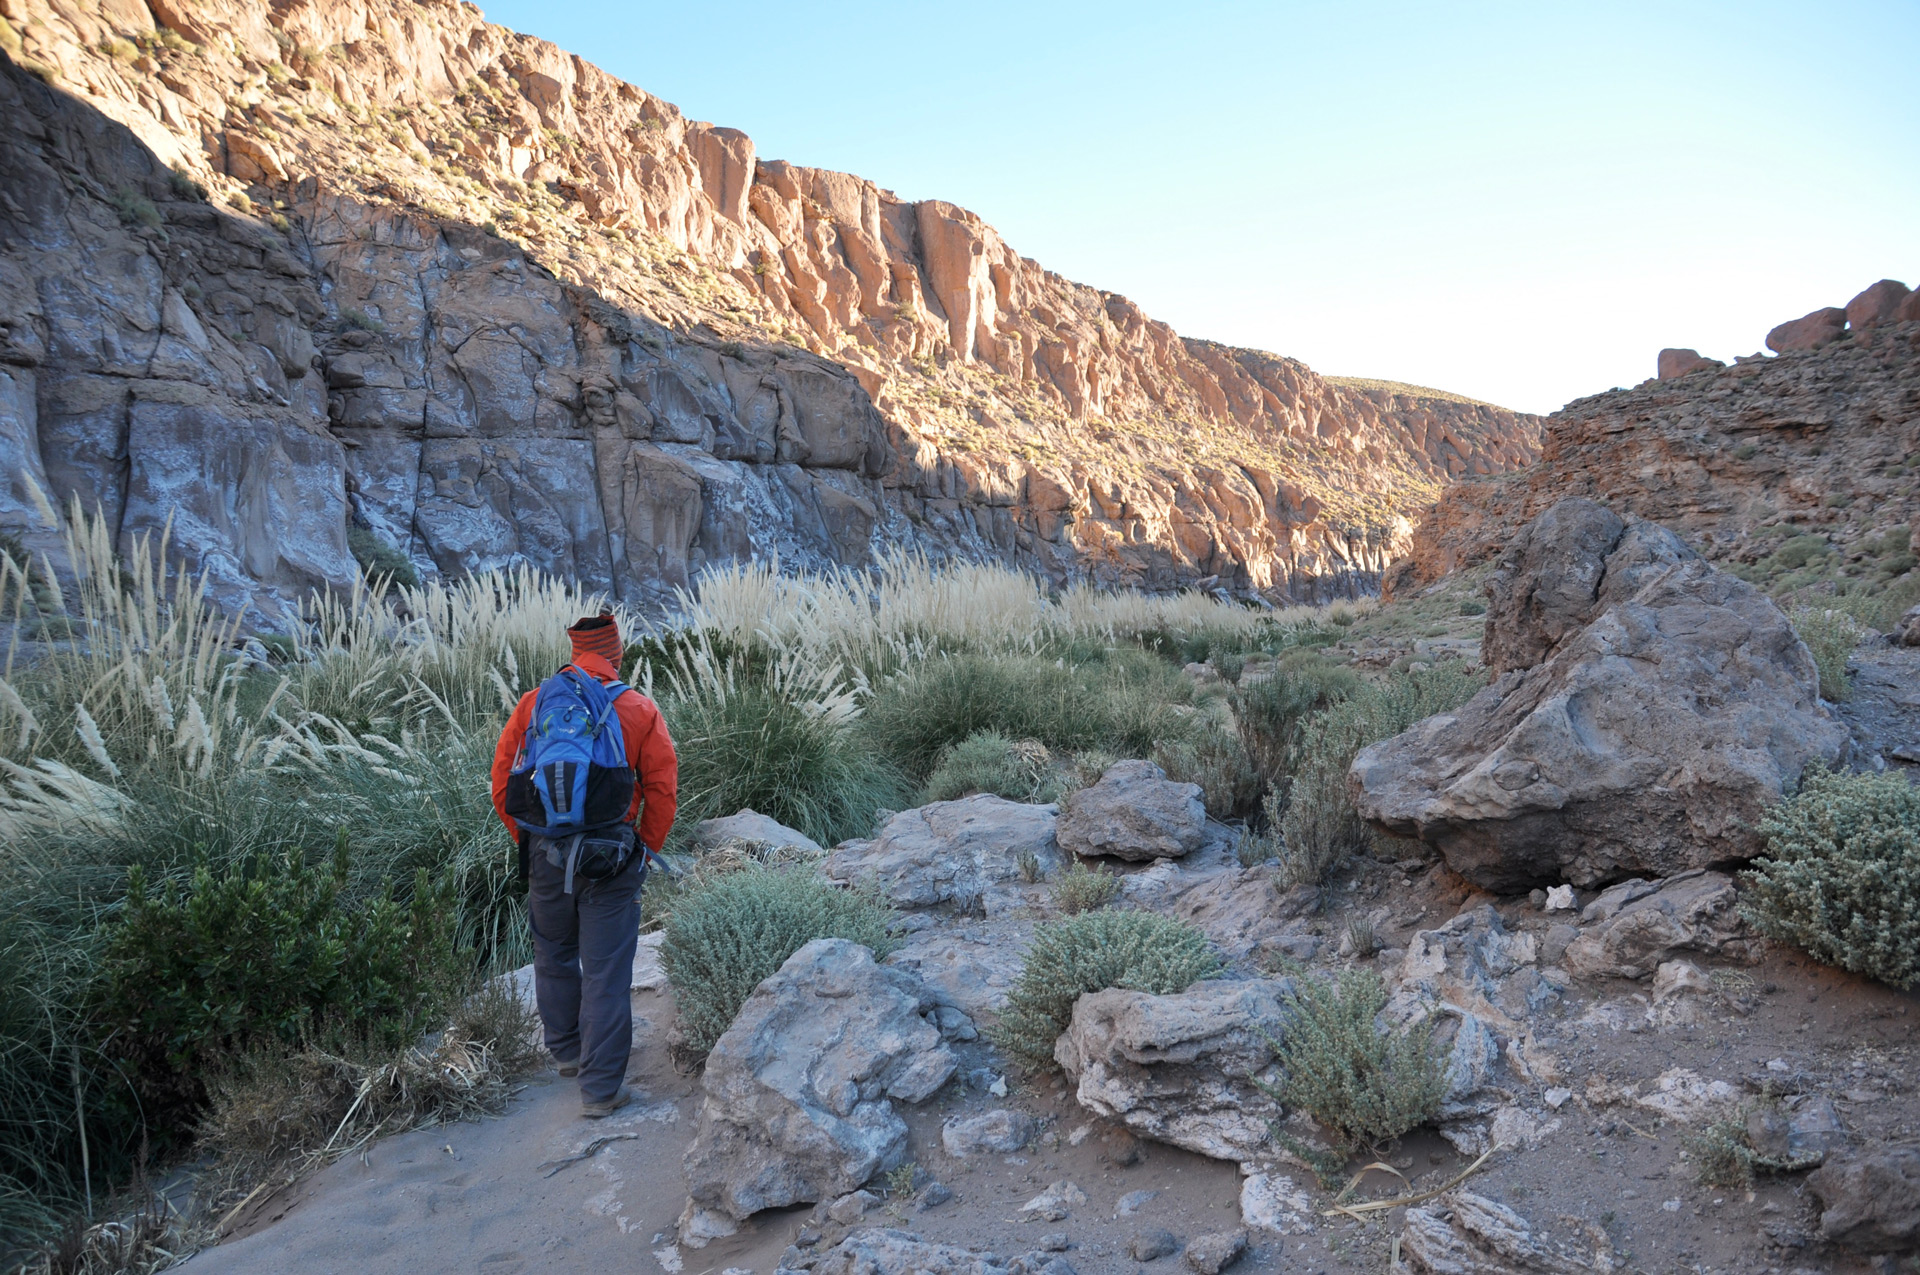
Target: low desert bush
x=1724, y=1155
x=1831, y=635
x=1080, y=887
x=267, y=954
x=724, y=937
x=1320, y=826
x=1211, y=754
x=378, y=558
x=1841, y=874
x=1269, y=711
x=987, y=761
x=1364, y=1086
x=1141, y=951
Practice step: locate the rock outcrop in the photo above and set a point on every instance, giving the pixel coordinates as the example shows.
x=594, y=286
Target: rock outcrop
x=466, y=295
x=1135, y=812
x=1647, y=707
x=965, y=853
x=1871, y=1201
x=1792, y=468
x=1636, y=925
x=1467, y=1234
x=1184, y=1069
x=797, y=1096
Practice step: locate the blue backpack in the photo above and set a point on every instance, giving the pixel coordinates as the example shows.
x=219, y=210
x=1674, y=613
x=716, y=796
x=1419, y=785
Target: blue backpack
x=571, y=783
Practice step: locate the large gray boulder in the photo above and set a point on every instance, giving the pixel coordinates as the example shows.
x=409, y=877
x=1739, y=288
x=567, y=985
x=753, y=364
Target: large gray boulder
x=756, y=829
x=1184, y=1069
x=1647, y=707
x=966, y=853
x=1135, y=812
x=797, y=1097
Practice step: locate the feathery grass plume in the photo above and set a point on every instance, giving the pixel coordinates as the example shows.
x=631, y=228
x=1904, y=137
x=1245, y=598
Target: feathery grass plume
x=1140, y=951
x=728, y=934
x=1840, y=877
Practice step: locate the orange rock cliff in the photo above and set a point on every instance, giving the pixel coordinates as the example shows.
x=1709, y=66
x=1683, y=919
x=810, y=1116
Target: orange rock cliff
x=324, y=275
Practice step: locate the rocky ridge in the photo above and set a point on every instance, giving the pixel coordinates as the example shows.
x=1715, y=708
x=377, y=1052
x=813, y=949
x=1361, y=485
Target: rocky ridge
x=471, y=299
x=1796, y=471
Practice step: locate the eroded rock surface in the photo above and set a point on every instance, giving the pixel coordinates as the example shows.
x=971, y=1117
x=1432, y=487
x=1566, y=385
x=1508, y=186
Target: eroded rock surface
x=755, y=829
x=1181, y=1069
x=797, y=1096
x=1871, y=1201
x=1135, y=812
x=888, y=1252
x=962, y=852
x=1636, y=925
x=1468, y=1234
x=1647, y=708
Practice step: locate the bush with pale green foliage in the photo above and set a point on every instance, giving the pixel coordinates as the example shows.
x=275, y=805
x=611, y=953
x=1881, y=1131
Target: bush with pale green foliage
x=1079, y=887
x=1830, y=634
x=1841, y=874
x=1140, y=951
x=1320, y=826
x=1365, y=1086
x=727, y=935
x=988, y=762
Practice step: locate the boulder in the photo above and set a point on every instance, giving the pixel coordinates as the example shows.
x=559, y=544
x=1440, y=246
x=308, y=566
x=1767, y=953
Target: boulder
x=1467, y=1234
x=755, y=829
x=887, y=1252
x=1183, y=1069
x=1871, y=1200
x=1677, y=363
x=1240, y=908
x=1002, y=1132
x=1635, y=926
x=1647, y=708
x=797, y=1096
x=1211, y=1254
x=1876, y=305
x=1906, y=630
x=1152, y=1244
x=1809, y=332
x=1135, y=812
x=966, y=853
x=1908, y=311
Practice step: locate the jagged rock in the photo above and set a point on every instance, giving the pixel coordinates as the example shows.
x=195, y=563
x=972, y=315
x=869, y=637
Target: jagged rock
x=1274, y=1202
x=1181, y=1069
x=1871, y=1200
x=1467, y=1234
x=1809, y=332
x=962, y=852
x=754, y=828
x=1241, y=908
x=1151, y=1246
x=1906, y=630
x=1211, y=1254
x=1876, y=304
x=973, y=968
x=797, y=1096
x=1647, y=708
x=1135, y=812
x=887, y=1252
x=1634, y=926
x=1674, y=364
x=1002, y=1132
x=1056, y=1203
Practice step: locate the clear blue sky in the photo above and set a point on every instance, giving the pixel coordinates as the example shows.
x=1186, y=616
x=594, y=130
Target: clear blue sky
x=1522, y=202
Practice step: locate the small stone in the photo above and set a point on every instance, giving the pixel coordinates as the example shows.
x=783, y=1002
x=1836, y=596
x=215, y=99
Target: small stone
x=850, y=1208
x=934, y=1195
x=1560, y=898
x=1778, y=1066
x=1132, y=1202
x=1054, y=1242
x=1079, y=1135
x=1151, y=1246
x=1122, y=1148
x=1053, y=1203
x=1211, y=1254
x=1557, y=1097
x=1002, y=1132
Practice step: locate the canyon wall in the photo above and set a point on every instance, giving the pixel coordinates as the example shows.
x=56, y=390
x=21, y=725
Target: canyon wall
x=275, y=274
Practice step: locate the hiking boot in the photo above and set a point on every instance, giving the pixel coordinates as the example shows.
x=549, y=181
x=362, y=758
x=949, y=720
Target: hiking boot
x=568, y=1069
x=600, y=1110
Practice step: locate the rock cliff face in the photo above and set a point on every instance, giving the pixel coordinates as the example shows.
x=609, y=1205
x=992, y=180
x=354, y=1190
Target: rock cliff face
x=468, y=295
x=1794, y=470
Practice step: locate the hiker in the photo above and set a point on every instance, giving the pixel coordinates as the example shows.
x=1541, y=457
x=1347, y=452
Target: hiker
x=581, y=757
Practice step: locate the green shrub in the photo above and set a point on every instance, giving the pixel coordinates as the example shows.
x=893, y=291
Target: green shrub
x=1142, y=951
x=1831, y=635
x=753, y=745
x=378, y=558
x=136, y=209
x=1320, y=826
x=1269, y=711
x=987, y=761
x=1799, y=551
x=1363, y=1085
x=1841, y=874
x=1723, y=1153
x=268, y=954
x=1123, y=703
x=183, y=186
x=726, y=936
x=1084, y=888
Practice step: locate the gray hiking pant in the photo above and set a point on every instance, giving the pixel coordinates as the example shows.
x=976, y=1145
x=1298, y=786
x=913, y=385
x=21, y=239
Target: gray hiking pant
x=583, y=946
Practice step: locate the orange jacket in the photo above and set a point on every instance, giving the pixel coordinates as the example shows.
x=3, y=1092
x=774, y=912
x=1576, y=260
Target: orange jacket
x=649, y=752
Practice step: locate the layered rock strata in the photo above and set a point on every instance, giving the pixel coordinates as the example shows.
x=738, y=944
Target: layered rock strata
x=467, y=295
